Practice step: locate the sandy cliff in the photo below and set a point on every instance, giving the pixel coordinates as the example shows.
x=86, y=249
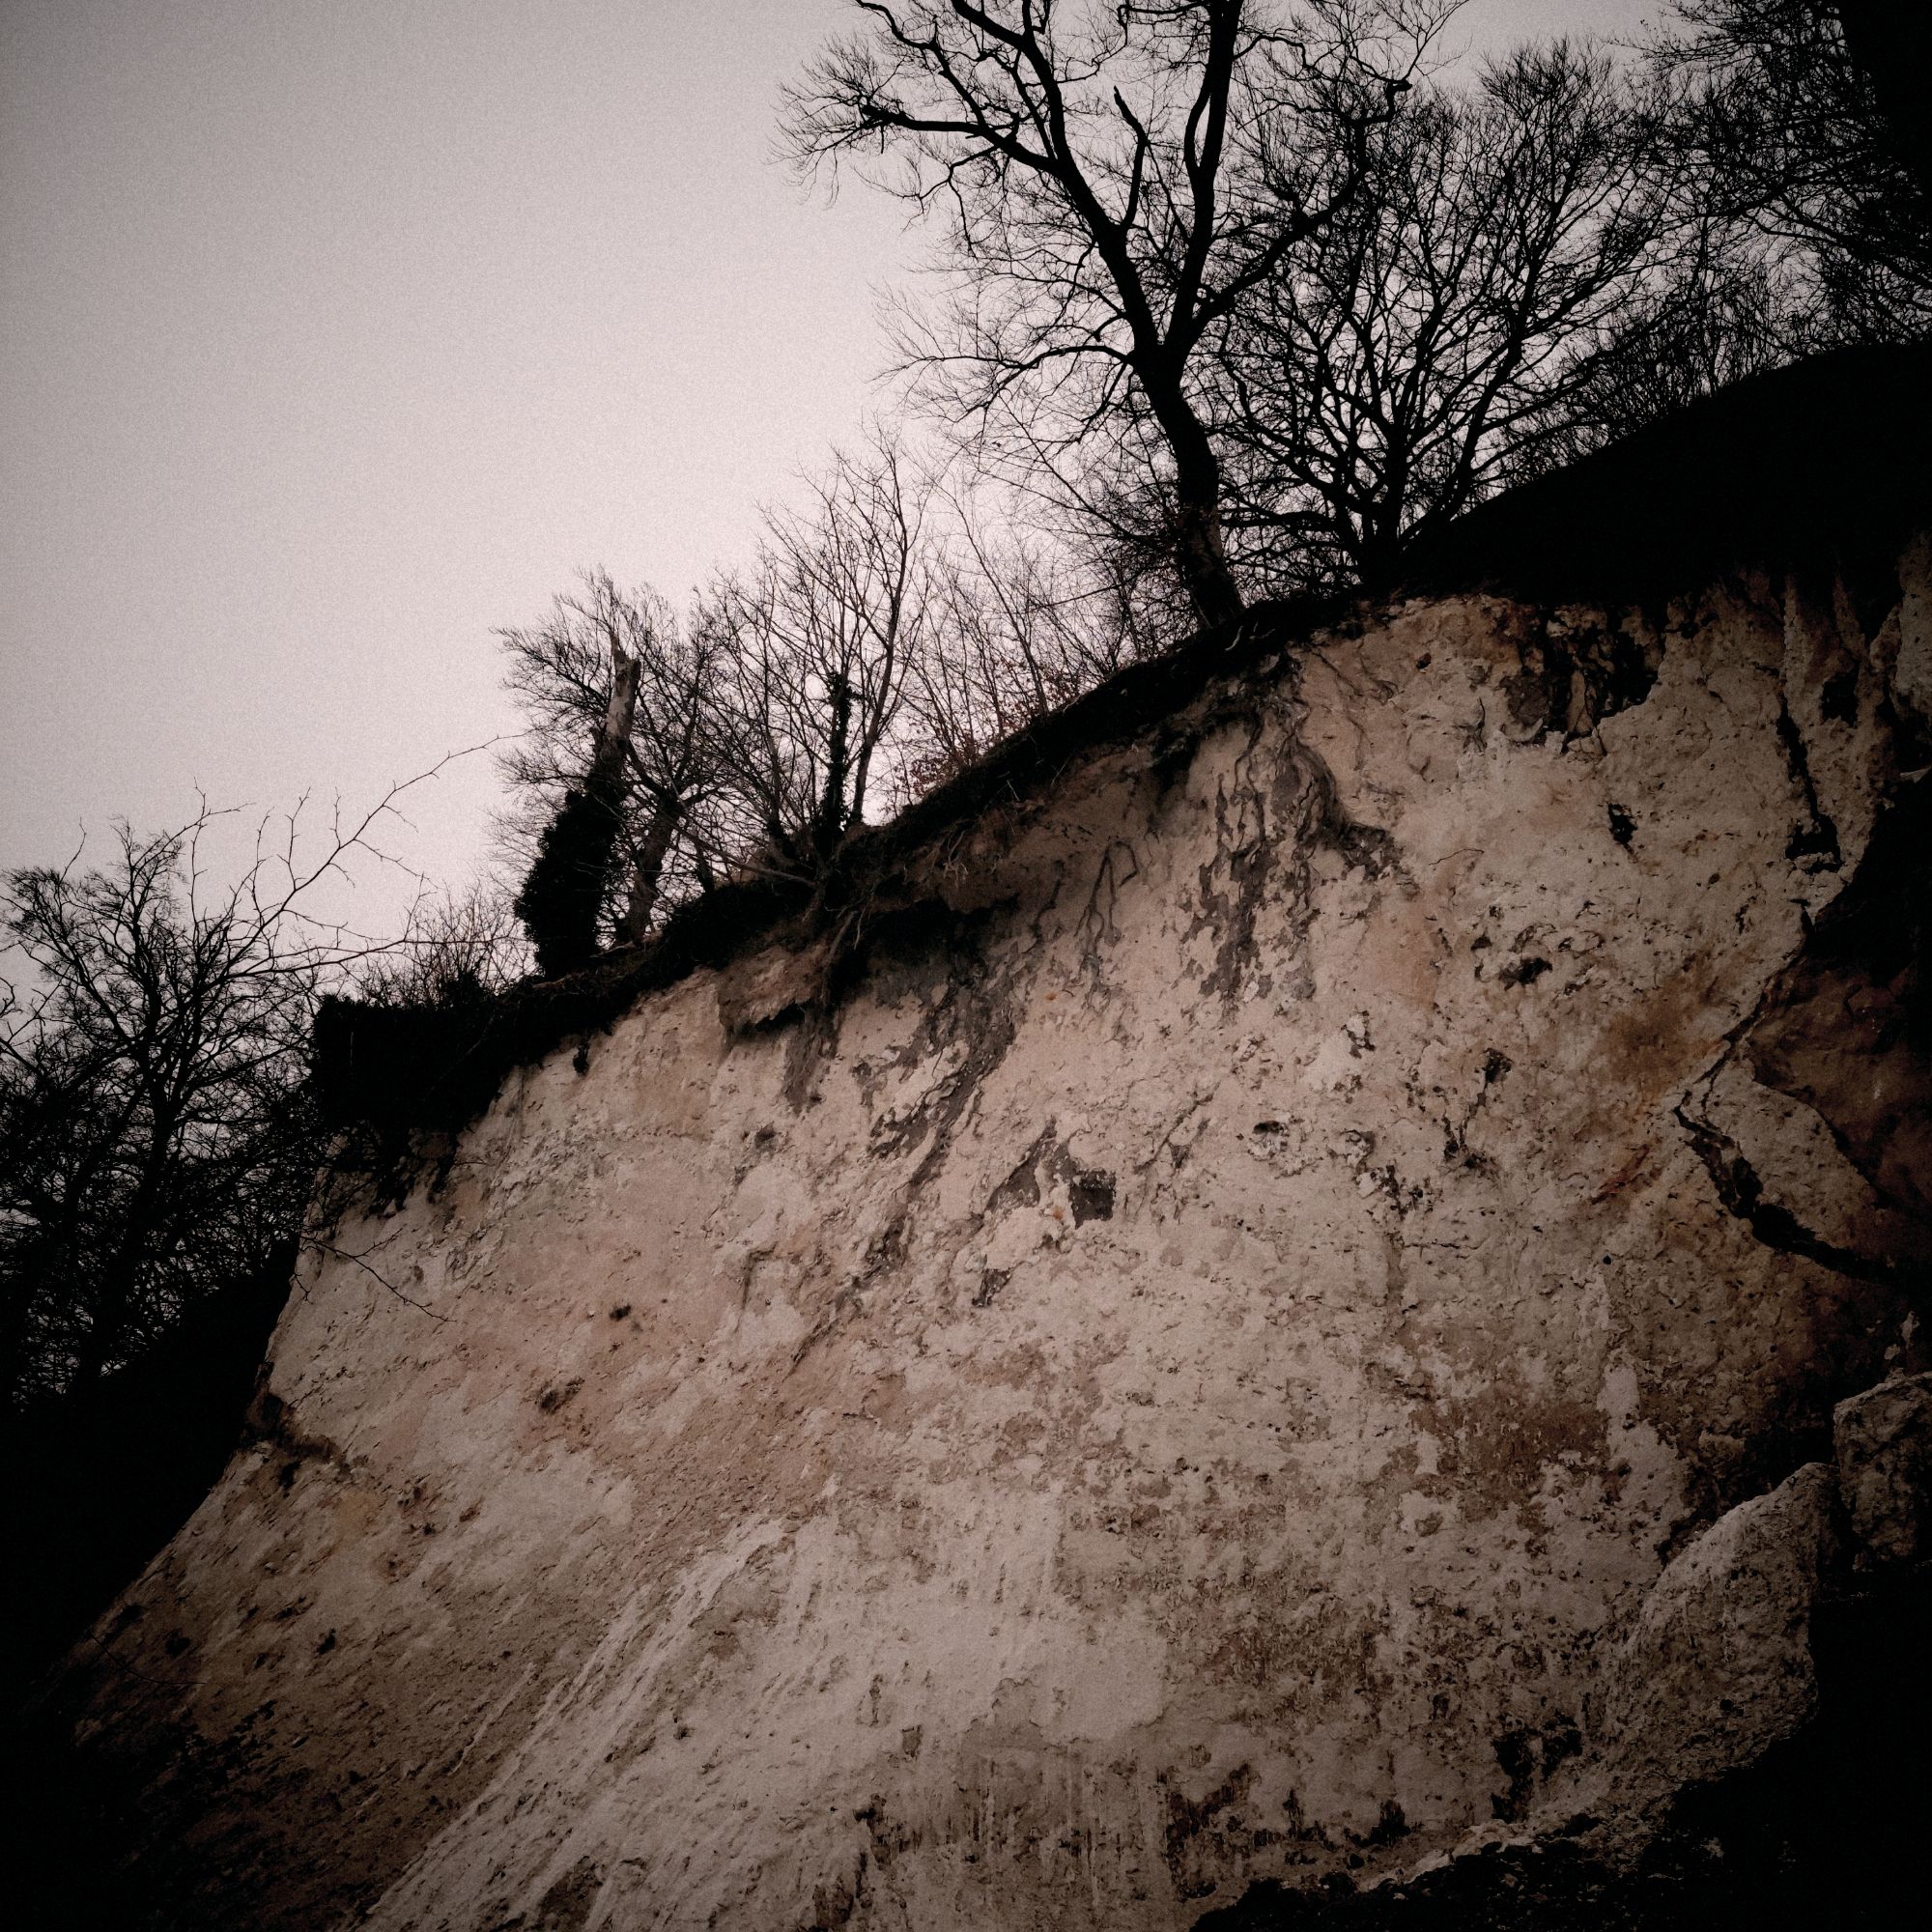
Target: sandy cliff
x=1278, y=1315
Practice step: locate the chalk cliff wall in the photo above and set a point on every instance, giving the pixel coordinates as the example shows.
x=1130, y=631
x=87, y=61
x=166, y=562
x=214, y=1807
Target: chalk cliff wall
x=1283, y=1320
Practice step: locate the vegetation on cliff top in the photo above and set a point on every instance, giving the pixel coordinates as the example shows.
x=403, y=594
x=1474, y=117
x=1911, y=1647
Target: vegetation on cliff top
x=1241, y=311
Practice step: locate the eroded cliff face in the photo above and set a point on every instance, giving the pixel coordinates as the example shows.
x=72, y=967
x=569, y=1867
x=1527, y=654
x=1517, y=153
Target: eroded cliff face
x=1190, y=1368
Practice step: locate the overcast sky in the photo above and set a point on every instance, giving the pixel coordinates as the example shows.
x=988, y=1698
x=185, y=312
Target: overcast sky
x=335, y=332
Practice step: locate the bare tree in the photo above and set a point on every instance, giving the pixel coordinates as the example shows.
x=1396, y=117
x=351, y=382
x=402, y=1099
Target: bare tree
x=455, y=946
x=1715, y=311
x=156, y=1137
x=1449, y=318
x=1017, y=630
x=619, y=760
x=1805, y=122
x=816, y=640
x=1115, y=181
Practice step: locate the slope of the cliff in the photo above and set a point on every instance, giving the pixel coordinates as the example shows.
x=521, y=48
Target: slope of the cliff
x=1262, y=1311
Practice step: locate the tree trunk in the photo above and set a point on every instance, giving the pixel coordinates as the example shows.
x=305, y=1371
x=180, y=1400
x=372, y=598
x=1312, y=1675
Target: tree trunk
x=1201, y=551
x=829, y=826
x=1379, y=546
x=647, y=873
x=607, y=761
x=1203, y=558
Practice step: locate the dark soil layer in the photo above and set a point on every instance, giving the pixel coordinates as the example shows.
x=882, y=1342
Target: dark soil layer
x=1823, y=465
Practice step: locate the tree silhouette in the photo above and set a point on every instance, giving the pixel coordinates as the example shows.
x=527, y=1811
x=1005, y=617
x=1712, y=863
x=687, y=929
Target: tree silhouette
x=1113, y=184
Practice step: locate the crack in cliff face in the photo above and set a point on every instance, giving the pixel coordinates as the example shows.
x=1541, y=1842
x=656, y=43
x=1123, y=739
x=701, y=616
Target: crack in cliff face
x=1814, y=838
x=1841, y=1029
x=1845, y=1029
x=1741, y=1191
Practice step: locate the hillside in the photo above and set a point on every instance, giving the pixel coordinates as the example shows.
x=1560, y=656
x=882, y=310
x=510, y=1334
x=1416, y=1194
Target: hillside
x=1301, y=1301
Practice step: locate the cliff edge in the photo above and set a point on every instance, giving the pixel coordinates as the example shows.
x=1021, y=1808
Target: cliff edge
x=1311, y=1295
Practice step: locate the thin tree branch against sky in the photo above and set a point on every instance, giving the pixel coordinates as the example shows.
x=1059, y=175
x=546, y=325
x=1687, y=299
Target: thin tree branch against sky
x=335, y=336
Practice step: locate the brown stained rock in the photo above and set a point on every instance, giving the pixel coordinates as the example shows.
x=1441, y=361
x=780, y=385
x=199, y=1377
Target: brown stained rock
x=1883, y=1443
x=771, y=986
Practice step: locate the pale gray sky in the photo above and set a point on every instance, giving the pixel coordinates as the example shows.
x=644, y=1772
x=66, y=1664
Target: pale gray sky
x=335, y=332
